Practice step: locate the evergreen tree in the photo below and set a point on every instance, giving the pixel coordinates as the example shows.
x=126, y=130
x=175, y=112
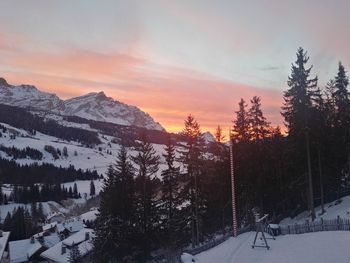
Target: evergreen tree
x=65, y=151
x=147, y=165
x=170, y=198
x=75, y=191
x=241, y=129
x=92, y=188
x=70, y=192
x=219, y=137
x=341, y=98
x=191, y=157
x=258, y=125
x=115, y=224
x=296, y=112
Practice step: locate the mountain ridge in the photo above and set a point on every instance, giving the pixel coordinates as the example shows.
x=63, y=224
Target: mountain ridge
x=93, y=106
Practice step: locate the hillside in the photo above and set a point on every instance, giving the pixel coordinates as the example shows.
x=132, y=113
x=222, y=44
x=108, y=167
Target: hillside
x=333, y=209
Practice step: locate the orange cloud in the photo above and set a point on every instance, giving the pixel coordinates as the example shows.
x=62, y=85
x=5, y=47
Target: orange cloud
x=168, y=94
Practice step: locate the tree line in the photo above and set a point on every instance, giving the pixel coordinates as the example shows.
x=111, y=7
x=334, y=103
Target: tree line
x=14, y=173
x=280, y=172
x=139, y=212
x=27, y=152
x=24, y=223
x=284, y=174
x=23, y=119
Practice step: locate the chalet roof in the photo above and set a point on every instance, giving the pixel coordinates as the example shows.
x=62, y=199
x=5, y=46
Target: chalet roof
x=22, y=250
x=78, y=239
x=71, y=226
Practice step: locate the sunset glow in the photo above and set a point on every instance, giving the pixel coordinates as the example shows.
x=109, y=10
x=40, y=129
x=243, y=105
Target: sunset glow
x=170, y=58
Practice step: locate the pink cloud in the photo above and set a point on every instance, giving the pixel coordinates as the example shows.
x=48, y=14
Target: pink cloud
x=168, y=94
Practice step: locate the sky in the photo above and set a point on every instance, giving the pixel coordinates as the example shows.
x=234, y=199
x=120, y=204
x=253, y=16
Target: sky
x=172, y=58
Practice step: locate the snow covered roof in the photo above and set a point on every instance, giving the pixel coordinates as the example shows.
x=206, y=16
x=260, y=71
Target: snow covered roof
x=72, y=226
x=50, y=240
x=78, y=237
x=22, y=250
x=85, y=246
x=3, y=242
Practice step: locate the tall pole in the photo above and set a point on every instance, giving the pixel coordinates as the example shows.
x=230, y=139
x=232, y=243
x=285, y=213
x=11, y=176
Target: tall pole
x=311, y=191
x=233, y=190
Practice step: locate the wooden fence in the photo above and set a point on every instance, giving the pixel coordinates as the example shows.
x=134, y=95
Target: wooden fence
x=216, y=241
x=337, y=224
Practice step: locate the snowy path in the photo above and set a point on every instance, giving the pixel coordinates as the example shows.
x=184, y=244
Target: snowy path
x=321, y=247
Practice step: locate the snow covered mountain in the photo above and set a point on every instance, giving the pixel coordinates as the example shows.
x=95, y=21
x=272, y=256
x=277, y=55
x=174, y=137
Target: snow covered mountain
x=99, y=107
x=93, y=106
x=27, y=96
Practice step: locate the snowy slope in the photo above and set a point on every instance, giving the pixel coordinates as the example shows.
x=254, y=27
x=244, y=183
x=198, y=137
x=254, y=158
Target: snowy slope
x=320, y=247
x=95, y=158
x=332, y=209
x=93, y=106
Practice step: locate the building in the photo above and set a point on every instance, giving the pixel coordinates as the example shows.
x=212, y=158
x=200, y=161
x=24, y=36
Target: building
x=30, y=249
x=60, y=253
x=25, y=250
x=70, y=227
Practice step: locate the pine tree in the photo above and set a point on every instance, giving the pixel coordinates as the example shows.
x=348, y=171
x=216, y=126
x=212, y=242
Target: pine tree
x=296, y=112
x=115, y=225
x=297, y=99
x=70, y=192
x=75, y=191
x=65, y=151
x=147, y=165
x=92, y=188
x=170, y=198
x=341, y=98
x=191, y=157
x=258, y=125
x=241, y=129
x=219, y=137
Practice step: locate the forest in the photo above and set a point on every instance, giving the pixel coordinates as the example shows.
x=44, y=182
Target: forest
x=23, y=119
x=14, y=173
x=279, y=171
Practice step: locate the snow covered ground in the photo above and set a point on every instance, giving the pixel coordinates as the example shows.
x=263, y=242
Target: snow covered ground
x=333, y=209
x=86, y=158
x=320, y=247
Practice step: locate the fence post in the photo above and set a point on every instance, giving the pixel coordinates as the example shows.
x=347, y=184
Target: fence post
x=338, y=222
x=307, y=226
x=322, y=223
x=295, y=228
x=289, y=229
